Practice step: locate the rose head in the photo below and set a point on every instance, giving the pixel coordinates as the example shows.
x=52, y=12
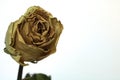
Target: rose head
x=34, y=36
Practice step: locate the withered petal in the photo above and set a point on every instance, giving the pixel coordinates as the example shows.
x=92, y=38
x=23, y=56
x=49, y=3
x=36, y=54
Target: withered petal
x=17, y=58
x=58, y=28
x=29, y=52
x=10, y=39
x=38, y=11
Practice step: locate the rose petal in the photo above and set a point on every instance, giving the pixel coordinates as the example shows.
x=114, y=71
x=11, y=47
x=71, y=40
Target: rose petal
x=58, y=29
x=9, y=40
x=29, y=52
x=38, y=10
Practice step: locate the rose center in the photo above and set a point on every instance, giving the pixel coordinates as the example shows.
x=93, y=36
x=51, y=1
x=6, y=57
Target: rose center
x=41, y=28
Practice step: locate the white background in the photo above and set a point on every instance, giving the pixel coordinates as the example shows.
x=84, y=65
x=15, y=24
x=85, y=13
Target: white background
x=88, y=49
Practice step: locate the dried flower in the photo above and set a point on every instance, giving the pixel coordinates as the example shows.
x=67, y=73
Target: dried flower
x=33, y=36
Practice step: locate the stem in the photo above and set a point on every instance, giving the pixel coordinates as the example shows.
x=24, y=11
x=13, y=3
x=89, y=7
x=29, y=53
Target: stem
x=20, y=72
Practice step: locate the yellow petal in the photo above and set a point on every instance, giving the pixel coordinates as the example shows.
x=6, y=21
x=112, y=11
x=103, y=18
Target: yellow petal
x=9, y=40
x=58, y=28
x=17, y=59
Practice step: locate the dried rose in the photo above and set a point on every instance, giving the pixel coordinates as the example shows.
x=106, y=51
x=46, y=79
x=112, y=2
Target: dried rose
x=34, y=36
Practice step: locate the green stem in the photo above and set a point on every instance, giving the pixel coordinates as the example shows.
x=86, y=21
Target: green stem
x=20, y=72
